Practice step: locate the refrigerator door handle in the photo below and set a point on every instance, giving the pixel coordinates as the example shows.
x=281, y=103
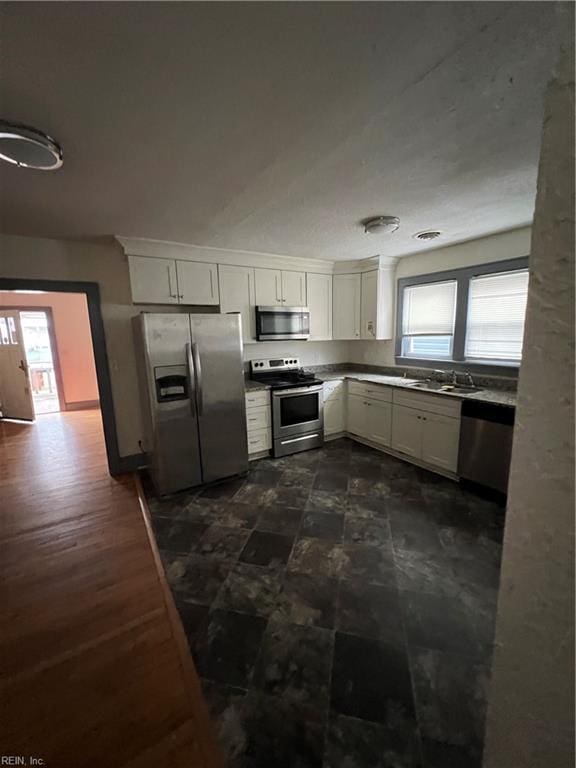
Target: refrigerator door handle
x=198, y=367
x=191, y=377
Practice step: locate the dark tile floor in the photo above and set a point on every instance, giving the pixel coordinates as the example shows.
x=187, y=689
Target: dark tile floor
x=340, y=607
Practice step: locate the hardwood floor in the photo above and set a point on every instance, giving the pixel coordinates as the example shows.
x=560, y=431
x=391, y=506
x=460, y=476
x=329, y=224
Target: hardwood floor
x=95, y=670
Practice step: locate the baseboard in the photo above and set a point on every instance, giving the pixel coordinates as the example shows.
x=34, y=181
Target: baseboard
x=82, y=405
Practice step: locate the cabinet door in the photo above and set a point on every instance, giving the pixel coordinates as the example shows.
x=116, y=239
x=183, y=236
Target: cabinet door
x=153, y=281
x=237, y=295
x=346, y=307
x=356, y=415
x=268, y=287
x=378, y=421
x=440, y=441
x=197, y=282
x=319, y=289
x=369, y=303
x=407, y=430
x=334, y=416
x=294, y=289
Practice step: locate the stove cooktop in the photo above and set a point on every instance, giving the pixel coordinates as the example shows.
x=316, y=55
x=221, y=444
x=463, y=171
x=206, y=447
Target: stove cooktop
x=288, y=380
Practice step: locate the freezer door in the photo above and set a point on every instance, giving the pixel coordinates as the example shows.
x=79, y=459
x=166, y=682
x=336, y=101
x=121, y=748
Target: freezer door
x=218, y=361
x=172, y=441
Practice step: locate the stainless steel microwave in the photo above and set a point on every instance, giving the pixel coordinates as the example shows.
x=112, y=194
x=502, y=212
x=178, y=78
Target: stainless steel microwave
x=282, y=323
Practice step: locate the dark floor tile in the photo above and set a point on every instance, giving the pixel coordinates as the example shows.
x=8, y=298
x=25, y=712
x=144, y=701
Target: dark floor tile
x=367, y=506
x=200, y=511
x=222, y=543
x=470, y=545
x=323, y=525
x=307, y=600
x=192, y=616
x=226, y=649
x=290, y=496
x=280, y=732
x=371, y=564
x=295, y=661
x=362, y=530
x=194, y=578
x=438, y=622
x=411, y=530
x=250, y=589
x=222, y=490
x=354, y=743
x=177, y=536
x=267, y=549
x=366, y=471
x=299, y=477
x=376, y=489
x=331, y=480
x=316, y=557
x=450, y=693
x=368, y=610
x=267, y=477
x=226, y=707
x=260, y=495
x=371, y=680
x=438, y=755
x=420, y=572
x=406, y=488
x=279, y=519
x=233, y=514
x=325, y=501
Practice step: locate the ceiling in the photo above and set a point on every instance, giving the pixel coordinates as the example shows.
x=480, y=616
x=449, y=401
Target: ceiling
x=277, y=127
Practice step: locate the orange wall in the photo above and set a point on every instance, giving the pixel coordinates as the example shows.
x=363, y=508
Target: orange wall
x=72, y=330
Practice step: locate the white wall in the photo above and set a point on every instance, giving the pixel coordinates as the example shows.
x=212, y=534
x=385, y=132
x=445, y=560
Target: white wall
x=308, y=352
x=530, y=721
x=499, y=247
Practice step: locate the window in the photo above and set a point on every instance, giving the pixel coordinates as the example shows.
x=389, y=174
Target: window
x=469, y=316
x=428, y=320
x=496, y=309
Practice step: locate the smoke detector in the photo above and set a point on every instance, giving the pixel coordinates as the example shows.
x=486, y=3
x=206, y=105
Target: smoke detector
x=383, y=225
x=28, y=147
x=430, y=234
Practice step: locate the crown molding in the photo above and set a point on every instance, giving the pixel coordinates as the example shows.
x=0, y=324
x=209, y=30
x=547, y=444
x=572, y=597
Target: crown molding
x=365, y=265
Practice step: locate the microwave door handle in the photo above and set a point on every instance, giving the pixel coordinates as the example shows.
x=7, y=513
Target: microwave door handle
x=198, y=367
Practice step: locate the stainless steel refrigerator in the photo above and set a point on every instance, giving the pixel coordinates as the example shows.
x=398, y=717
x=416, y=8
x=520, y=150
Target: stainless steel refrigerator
x=192, y=390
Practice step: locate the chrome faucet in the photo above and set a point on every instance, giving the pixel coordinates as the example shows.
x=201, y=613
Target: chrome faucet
x=469, y=379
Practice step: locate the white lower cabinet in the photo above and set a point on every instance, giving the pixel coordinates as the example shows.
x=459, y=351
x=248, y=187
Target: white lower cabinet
x=431, y=437
x=258, y=423
x=378, y=422
x=356, y=416
x=334, y=416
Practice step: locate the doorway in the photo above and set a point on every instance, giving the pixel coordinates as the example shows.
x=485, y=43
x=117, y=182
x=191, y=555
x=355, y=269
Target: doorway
x=42, y=361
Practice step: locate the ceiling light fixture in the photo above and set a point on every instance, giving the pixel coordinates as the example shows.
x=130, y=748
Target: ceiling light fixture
x=383, y=225
x=430, y=234
x=28, y=147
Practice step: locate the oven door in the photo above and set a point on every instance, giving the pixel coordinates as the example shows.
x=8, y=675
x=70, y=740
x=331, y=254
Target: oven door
x=297, y=411
x=282, y=323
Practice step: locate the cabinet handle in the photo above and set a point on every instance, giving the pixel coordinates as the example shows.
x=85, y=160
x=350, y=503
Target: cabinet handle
x=211, y=285
x=172, y=295
x=276, y=285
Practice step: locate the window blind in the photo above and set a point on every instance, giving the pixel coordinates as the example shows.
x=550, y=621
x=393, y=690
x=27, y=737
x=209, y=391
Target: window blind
x=429, y=310
x=496, y=310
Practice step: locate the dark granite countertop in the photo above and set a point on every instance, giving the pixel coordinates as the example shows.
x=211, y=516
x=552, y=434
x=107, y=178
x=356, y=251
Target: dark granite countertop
x=255, y=386
x=496, y=396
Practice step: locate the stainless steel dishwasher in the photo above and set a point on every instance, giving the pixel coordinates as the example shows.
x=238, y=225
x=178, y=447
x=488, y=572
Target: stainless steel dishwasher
x=486, y=443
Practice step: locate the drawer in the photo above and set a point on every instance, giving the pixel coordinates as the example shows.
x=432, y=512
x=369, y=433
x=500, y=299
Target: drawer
x=258, y=418
x=334, y=389
x=260, y=440
x=441, y=404
x=257, y=399
x=368, y=389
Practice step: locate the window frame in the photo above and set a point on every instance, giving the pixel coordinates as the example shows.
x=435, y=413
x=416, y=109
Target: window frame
x=463, y=276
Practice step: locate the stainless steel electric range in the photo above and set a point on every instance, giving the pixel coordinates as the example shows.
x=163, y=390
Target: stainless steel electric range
x=297, y=404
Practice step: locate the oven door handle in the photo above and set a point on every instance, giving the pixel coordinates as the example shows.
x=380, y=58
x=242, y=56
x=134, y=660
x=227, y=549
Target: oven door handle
x=297, y=391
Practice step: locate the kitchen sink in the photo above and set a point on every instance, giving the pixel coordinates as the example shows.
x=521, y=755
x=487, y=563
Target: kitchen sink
x=438, y=386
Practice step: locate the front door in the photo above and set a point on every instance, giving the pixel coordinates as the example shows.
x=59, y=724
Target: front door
x=15, y=390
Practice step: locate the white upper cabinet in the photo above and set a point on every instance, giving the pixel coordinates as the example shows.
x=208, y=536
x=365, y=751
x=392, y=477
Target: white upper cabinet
x=346, y=303
x=237, y=295
x=280, y=288
x=268, y=287
x=377, y=304
x=197, y=282
x=319, y=288
x=153, y=281
x=293, y=289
